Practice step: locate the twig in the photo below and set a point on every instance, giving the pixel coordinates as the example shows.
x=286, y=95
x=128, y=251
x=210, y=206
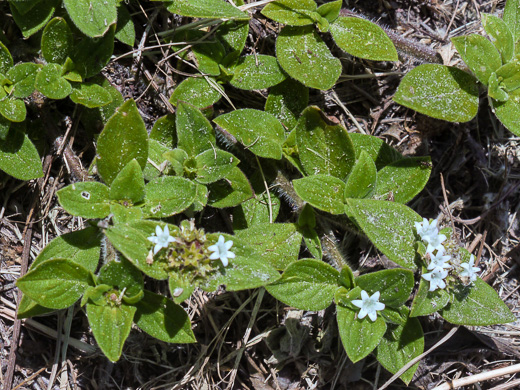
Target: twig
x=484, y=376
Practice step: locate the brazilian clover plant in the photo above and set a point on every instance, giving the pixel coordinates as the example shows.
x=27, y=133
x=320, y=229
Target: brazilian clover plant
x=145, y=191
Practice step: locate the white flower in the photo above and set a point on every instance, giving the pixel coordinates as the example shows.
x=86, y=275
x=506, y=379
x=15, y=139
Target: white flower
x=470, y=270
x=161, y=238
x=439, y=261
x=436, y=279
x=368, y=305
x=425, y=228
x=221, y=251
x=435, y=242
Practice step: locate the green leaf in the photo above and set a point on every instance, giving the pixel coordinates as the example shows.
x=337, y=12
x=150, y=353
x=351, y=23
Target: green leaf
x=439, y=91
x=51, y=83
x=322, y=191
x=87, y=199
x=6, y=60
x=94, y=119
x=278, y=243
x=512, y=17
x=90, y=95
x=306, y=285
x=123, y=214
x=479, y=54
x=31, y=22
x=291, y=12
x=123, y=139
x=195, y=91
x=177, y=158
x=323, y=149
x=82, y=247
x=57, y=41
x=164, y=131
x=213, y=165
x=93, y=54
x=131, y=239
x=210, y=9
x=128, y=184
x=330, y=11
x=232, y=34
x=111, y=326
x=23, y=77
x=180, y=289
x=390, y=227
x=246, y=271
x=28, y=308
x=167, y=196
x=56, y=283
x=361, y=182
x=11, y=108
x=403, y=179
x=123, y=276
x=500, y=35
x=382, y=153
x=359, y=337
x=286, y=101
x=19, y=157
x=257, y=72
x=163, y=319
x=401, y=344
x=194, y=132
x=201, y=198
x=509, y=112
x=207, y=55
x=362, y=38
x=509, y=76
x=477, y=304
x=495, y=90
x=305, y=57
x=125, y=30
x=258, y=131
x=231, y=191
x=395, y=285
x=92, y=17
x=428, y=302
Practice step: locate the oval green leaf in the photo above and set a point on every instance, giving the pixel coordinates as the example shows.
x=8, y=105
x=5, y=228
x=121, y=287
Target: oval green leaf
x=258, y=131
x=210, y=9
x=322, y=191
x=87, y=199
x=306, y=285
x=19, y=157
x=51, y=83
x=390, y=227
x=291, y=12
x=92, y=17
x=257, y=72
x=479, y=54
x=305, y=57
x=363, y=39
x=195, y=91
x=439, y=91
x=90, y=95
x=56, y=284
x=57, y=41
x=123, y=139
x=167, y=196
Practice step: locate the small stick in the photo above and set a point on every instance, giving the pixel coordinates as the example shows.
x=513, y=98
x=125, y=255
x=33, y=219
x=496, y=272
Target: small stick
x=484, y=376
x=447, y=203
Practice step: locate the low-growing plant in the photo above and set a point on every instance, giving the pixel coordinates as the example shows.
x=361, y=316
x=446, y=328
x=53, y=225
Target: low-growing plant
x=145, y=190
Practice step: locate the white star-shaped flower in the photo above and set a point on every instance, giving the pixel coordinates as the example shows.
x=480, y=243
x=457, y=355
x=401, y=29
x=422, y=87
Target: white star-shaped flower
x=470, y=270
x=426, y=228
x=221, y=251
x=434, y=242
x=439, y=261
x=368, y=305
x=161, y=239
x=436, y=278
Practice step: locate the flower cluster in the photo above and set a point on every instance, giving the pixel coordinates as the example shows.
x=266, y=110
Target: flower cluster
x=439, y=265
